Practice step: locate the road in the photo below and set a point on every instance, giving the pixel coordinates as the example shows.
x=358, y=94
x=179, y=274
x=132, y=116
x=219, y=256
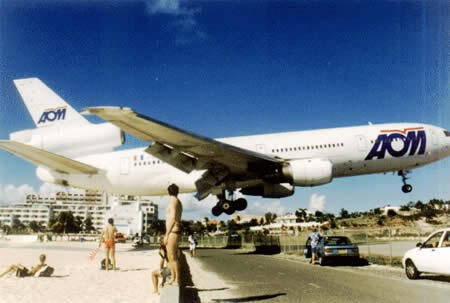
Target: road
x=255, y=278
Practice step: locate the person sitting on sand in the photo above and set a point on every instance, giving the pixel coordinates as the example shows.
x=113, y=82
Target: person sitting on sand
x=22, y=271
x=163, y=272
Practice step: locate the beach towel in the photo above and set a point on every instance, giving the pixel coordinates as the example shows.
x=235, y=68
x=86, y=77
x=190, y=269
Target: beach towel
x=93, y=253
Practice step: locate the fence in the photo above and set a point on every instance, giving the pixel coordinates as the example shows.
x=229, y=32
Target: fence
x=387, y=242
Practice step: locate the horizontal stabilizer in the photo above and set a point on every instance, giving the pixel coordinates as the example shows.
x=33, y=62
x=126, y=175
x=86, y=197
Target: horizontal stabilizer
x=43, y=158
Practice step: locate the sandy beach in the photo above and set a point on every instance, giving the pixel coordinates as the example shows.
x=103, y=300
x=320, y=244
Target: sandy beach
x=76, y=278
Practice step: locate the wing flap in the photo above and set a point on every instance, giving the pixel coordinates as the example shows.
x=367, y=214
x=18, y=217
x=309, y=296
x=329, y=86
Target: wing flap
x=43, y=158
x=204, y=149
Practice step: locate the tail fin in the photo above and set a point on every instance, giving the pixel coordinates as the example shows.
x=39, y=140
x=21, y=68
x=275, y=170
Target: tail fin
x=46, y=107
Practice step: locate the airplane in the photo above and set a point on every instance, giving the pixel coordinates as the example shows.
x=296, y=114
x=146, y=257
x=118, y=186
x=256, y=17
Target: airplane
x=71, y=151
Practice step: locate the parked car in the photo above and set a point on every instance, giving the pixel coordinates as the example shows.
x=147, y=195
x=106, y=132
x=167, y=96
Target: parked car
x=120, y=238
x=333, y=248
x=431, y=256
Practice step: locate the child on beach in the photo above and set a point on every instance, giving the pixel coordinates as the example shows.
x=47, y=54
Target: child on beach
x=22, y=271
x=163, y=272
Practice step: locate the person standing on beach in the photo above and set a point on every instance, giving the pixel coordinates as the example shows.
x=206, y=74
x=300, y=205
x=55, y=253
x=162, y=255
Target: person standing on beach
x=108, y=237
x=192, y=245
x=173, y=232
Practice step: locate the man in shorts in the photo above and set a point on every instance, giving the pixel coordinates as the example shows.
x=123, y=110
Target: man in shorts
x=315, y=237
x=108, y=237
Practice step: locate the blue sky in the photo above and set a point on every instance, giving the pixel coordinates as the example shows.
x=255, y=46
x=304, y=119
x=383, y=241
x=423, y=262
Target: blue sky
x=230, y=68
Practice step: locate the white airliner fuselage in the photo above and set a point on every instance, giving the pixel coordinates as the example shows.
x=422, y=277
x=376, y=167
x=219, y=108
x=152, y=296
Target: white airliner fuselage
x=133, y=171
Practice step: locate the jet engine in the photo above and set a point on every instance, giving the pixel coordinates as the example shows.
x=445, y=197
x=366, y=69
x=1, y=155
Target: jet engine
x=309, y=172
x=269, y=190
x=73, y=140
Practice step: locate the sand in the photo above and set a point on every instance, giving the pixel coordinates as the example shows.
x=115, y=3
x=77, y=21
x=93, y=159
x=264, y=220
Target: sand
x=76, y=278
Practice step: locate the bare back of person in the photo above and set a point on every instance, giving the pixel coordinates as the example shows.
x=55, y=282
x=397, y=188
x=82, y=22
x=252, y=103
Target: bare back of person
x=110, y=247
x=173, y=234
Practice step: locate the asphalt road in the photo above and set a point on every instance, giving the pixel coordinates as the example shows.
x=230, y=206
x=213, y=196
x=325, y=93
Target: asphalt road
x=262, y=278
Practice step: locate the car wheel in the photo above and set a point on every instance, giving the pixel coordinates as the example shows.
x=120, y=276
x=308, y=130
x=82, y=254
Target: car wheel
x=322, y=261
x=411, y=270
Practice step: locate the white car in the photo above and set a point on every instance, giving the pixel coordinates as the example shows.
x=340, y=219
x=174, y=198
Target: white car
x=431, y=256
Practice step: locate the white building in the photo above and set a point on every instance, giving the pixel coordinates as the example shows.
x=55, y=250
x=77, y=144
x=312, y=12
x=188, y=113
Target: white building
x=286, y=218
x=133, y=215
x=26, y=213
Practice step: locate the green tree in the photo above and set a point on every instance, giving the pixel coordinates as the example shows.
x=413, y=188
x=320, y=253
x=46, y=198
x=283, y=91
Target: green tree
x=319, y=216
x=158, y=227
x=17, y=226
x=419, y=205
x=35, y=226
x=66, y=223
x=300, y=214
x=233, y=227
x=270, y=217
x=88, y=225
x=405, y=208
x=344, y=213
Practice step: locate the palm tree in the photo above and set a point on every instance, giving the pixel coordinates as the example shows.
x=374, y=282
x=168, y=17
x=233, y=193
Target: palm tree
x=301, y=214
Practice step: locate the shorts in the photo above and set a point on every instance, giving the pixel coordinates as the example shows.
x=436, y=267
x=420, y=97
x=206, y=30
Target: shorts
x=191, y=246
x=22, y=273
x=314, y=250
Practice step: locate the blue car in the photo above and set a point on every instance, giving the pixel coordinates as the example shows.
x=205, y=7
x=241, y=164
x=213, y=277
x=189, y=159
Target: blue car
x=333, y=248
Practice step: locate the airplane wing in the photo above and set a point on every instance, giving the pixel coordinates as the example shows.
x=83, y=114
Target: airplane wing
x=41, y=157
x=188, y=151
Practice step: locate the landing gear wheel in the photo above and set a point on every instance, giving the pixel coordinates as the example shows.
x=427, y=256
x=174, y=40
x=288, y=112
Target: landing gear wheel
x=407, y=188
x=240, y=204
x=216, y=211
x=411, y=270
x=227, y=207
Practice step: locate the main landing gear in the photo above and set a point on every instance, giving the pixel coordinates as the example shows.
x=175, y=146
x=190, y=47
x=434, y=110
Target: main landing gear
x=228, y=206
x=406, y=188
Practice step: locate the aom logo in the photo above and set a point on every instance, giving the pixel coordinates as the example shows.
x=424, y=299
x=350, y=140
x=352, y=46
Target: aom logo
x=398, y=143
x=53, y=114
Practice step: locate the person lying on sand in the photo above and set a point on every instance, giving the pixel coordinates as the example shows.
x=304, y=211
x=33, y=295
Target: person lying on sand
x=22, y=271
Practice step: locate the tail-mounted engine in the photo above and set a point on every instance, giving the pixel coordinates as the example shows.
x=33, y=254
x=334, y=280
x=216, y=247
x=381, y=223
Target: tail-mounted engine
x=73, y=139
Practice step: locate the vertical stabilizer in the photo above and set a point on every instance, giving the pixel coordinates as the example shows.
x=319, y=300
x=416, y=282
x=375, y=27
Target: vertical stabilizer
x=45, y=107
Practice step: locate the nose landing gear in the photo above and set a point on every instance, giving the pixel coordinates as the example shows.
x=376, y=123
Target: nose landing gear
x=406, y=188
x=228, y=206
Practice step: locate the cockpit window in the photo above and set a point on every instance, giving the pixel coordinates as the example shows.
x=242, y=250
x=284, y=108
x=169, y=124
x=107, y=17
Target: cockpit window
x=447, y=133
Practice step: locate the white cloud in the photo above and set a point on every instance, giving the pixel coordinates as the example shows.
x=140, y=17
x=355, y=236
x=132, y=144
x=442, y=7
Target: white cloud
x=186, y=27
x=172, y=7
x=317, y=202
x=10, y=193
